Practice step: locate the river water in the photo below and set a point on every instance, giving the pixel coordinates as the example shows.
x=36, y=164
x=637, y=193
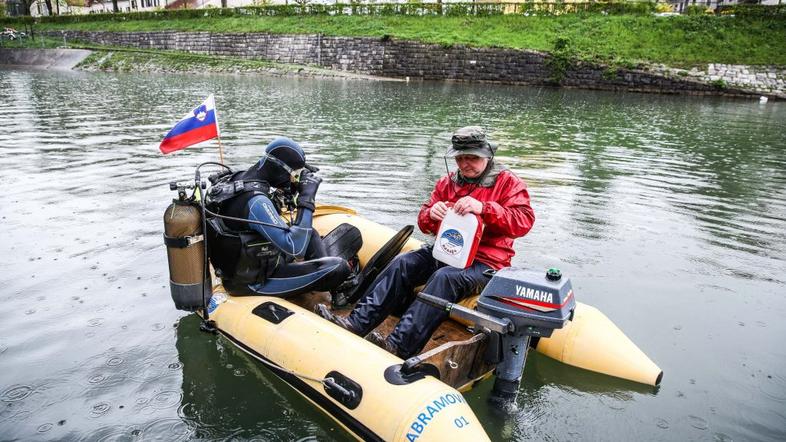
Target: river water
x=668, y=213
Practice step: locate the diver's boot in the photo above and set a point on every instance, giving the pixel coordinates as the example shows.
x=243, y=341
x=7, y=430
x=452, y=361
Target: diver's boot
x=324, y=311
x=340, y=296
x=377, y=339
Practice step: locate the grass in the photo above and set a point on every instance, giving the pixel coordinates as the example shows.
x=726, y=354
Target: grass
x=681, y=41
x=120, y=59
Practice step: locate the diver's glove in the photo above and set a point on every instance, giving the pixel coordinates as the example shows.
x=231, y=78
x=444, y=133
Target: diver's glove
x=307, y=189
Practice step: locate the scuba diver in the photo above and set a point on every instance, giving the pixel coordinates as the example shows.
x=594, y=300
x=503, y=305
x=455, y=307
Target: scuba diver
x=252, y=249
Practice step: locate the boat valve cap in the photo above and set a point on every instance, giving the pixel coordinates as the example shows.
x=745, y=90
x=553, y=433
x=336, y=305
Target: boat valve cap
x=553, y=274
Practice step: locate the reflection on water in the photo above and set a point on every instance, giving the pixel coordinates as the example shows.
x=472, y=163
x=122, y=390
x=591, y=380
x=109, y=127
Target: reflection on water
x=668, y=213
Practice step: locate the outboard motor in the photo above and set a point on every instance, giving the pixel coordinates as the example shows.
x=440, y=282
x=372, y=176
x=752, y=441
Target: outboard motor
x=536, y=304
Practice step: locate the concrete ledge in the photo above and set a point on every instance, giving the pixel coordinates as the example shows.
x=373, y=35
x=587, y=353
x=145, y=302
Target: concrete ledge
x=43, y=58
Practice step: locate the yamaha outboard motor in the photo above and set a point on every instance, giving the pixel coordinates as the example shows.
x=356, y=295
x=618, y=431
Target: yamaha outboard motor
x=536, y=304
x=515, y=306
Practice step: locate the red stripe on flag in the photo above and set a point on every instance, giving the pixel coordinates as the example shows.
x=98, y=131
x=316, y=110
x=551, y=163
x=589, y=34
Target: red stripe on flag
x=186, y=139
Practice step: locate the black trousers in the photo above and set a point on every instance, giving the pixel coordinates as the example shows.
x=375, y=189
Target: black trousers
x=318, y=272
x=393, y=290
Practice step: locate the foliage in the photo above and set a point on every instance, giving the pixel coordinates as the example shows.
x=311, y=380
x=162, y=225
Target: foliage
x=610, y=73
x=561, y=59
x=303, y=7
x=679, y=41
x=697, y=10
x=664, y=7
x=719, y=84
x=754, y=11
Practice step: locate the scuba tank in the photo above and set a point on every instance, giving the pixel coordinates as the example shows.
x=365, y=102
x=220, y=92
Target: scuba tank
x=189, y=283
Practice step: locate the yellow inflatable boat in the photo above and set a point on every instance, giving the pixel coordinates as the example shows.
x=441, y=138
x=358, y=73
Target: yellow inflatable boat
x=377, y=396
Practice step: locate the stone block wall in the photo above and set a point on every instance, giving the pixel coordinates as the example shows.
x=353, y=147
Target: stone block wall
x=399, y=59
x=461, y=63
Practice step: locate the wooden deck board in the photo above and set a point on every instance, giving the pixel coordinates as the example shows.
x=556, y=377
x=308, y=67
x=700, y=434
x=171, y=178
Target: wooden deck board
x=459, y=365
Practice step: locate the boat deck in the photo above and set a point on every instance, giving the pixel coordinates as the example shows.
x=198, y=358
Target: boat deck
x=453, y=349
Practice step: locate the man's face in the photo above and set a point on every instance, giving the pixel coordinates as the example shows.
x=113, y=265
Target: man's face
x=471, y=166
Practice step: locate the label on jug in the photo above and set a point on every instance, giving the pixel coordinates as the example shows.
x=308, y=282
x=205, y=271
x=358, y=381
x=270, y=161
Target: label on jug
x=457, y=239
x=451, y=241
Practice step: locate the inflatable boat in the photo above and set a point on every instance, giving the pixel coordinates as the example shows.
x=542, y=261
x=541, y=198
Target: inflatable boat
x=375, y=395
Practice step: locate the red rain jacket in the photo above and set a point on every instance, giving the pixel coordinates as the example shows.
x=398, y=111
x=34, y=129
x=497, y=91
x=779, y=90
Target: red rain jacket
x=506, y=214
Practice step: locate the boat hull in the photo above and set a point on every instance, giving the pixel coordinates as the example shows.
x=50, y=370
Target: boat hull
x=304, y=349
x=590, y=341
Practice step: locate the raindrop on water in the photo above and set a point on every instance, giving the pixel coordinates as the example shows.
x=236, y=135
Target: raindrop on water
x=698, y=423
x=720, y=437
x=16, y=393
x=97, y=379
x=100, y=409
x=166, y=399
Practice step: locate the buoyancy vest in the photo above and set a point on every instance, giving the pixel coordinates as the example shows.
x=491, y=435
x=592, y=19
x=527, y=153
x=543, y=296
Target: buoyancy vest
x=240, y=255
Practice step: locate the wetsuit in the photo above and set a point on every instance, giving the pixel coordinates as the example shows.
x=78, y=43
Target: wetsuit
x=271, y=263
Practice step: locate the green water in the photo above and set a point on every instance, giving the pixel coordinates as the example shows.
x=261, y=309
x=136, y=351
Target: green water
x=668, y=214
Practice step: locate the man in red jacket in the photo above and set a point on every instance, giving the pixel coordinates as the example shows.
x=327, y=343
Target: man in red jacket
x=482, y=186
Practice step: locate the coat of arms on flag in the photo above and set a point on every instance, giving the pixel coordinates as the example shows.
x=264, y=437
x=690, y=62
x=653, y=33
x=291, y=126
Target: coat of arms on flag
x=198, y=125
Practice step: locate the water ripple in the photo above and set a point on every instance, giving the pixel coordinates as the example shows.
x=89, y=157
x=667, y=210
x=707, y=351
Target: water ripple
x=667, y=205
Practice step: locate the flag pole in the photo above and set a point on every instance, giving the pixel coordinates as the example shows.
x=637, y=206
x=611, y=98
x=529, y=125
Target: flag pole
x=220, y=150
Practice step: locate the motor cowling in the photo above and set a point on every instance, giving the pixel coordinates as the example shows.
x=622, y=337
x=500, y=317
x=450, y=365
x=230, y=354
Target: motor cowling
x=536, y=304
x=189, y=284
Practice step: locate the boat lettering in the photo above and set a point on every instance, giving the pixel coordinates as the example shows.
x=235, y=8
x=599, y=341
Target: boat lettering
x=537, y=295
x=418, y=426
x=460, y=422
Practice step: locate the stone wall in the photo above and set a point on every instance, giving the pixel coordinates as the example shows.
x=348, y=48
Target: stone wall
x=400, y=59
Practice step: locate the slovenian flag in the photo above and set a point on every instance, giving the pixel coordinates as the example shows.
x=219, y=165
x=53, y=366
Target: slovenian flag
x=199, y=125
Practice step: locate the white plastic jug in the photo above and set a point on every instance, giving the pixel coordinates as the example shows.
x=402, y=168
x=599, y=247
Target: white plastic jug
x=457, y=239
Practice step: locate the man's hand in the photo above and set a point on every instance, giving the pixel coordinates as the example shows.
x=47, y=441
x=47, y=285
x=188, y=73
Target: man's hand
x=438, y=211
x=307, y=189
x=468, y=204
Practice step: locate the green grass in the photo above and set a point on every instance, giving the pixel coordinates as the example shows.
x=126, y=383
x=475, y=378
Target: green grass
x=621, y=39
x=120, y=59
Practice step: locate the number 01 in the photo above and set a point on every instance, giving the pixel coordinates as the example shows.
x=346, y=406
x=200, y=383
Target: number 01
x=460, y=422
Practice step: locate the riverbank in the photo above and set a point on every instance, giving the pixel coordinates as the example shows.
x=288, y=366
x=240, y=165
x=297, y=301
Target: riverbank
x=392, y=58
x=51, y=53
x=740, y=54
x=621, y=40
